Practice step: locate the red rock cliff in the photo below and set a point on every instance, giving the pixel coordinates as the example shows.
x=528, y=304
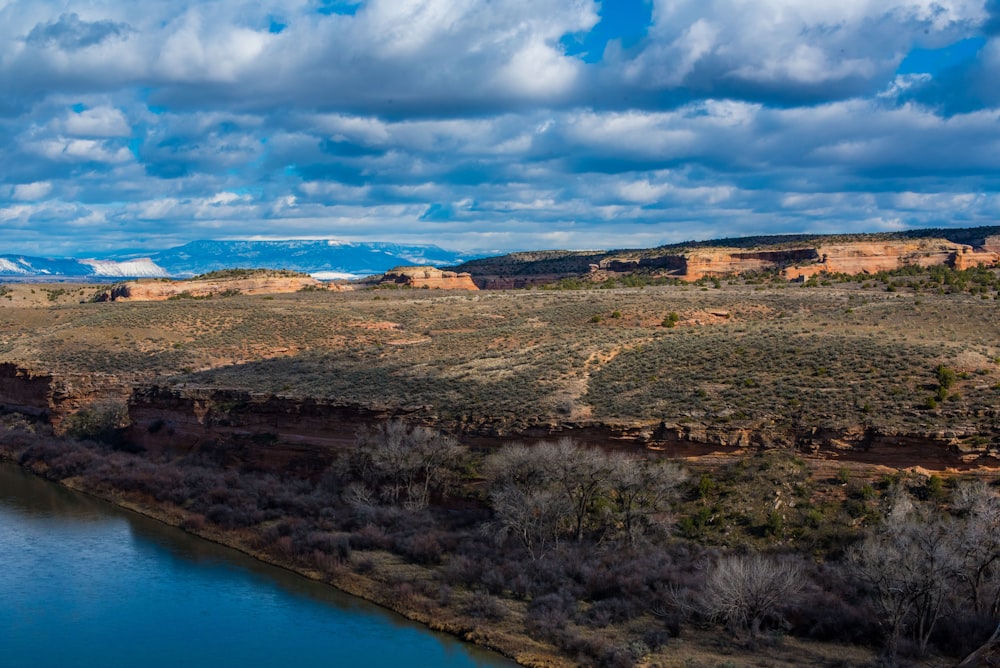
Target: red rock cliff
x=873, y=257
x=428, y=277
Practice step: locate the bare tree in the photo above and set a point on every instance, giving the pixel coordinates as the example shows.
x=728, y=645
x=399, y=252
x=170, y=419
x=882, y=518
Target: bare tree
x=641, y=489
x=582, y=474
x=533, y=517
x=517, y=465
x=747, y=590
x=909, y=567
x=978, y=545
x=582, y=488
x=404, y=465
x=576, y=474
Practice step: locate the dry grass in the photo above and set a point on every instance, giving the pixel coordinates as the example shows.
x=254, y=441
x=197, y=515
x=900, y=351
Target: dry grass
x=740, y=356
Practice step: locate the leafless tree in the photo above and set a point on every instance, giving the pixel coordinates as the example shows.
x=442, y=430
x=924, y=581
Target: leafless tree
x=517, y=465
x=533, y=517
x=404, y=465
x=582, y=488
x=640, y=490
x=747, y=590
x=909, y=566
x=563, y=469
x=582, y=474
x=978, y=545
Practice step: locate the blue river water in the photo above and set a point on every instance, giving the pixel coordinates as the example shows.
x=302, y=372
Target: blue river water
x=83, y=583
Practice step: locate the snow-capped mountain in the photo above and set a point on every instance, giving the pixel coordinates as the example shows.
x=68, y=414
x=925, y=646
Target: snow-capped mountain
x=24, y=266
x=140, y=268
x=325, y=259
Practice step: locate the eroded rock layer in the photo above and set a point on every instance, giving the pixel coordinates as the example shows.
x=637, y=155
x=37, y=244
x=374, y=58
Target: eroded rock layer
x=161, y=289
x=270, y=431
x=428, y=277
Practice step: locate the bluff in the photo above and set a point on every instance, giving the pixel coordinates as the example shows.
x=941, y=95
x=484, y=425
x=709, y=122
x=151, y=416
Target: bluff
x=873, y=257
x=160, y=289
x=268, y=431
x=428, y=277
x=797, y=257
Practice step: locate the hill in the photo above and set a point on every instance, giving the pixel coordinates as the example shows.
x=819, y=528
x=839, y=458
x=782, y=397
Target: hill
x=691, y=261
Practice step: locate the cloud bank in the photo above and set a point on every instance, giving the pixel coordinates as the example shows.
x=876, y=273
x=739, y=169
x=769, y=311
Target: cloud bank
x=499, y=125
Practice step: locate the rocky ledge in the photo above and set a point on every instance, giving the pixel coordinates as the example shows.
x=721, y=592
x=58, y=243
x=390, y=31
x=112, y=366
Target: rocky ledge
x=162, y=289
x=285, y=431
x=428, y=277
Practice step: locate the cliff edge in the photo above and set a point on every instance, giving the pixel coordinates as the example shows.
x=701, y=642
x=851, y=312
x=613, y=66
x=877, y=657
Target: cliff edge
x=160, y=290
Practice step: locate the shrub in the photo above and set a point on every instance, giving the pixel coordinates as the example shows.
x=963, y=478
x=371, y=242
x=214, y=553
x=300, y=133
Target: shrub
x=946, y=377
x=101, y=421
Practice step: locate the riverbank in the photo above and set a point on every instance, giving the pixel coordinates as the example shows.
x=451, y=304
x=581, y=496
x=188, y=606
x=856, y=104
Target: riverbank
x=441, y=572
x=88, y=583
x=381, y=586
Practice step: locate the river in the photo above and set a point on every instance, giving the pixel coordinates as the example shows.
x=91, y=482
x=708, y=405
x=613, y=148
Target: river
x=83, y=583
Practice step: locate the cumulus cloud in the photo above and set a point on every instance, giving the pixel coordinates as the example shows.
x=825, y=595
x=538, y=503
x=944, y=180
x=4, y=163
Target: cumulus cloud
x=98, y=122
x=70, y=33
x=477, y=125
x=791, y=51
x=31, y=191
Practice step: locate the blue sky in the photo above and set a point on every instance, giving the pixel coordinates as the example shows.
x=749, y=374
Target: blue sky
x=497, y=125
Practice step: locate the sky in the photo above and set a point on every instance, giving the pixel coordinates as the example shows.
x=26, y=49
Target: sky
x=492, y=124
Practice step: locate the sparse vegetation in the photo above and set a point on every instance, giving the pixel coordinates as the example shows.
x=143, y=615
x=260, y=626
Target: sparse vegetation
x=230, y=274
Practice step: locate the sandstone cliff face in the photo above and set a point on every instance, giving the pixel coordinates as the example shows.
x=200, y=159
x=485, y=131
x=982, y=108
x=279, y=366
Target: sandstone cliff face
x=969, y=258
x=24, y=391
x=54, y=398
x=847, y=258
x=873, y=257
x=159, y=290
x=428, y=277
x=257, y=430
x=796, y=263
x=728, y=261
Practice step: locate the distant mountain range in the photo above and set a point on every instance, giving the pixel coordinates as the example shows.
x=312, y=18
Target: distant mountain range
x=324, y=259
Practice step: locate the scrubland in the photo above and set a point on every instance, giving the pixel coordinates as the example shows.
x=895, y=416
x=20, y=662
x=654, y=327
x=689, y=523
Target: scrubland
x=776, y=357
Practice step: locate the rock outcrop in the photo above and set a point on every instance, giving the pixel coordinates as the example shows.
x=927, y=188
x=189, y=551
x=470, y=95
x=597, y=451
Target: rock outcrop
x=428, y=277
x=270, y=431
x=873, y=257
x=159, y=289
x=847, y=258
x=969, y=258
x=797, y=256
x=727, y=261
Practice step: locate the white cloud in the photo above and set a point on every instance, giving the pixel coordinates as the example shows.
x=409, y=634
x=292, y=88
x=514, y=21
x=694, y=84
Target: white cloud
x=729, y=116
x=62, y=149
x=539, y=70
x=27, y=192
x=97, y=122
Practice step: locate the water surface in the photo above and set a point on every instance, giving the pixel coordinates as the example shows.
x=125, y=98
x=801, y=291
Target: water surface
x=83, y=583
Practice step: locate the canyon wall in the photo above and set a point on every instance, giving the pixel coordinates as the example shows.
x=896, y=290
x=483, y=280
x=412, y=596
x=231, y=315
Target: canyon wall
x=846, y=258
x=795, y=263
x=161, y=289
x=278, y=432
x=726, y=262
x=873, y=257
x=55, y=397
